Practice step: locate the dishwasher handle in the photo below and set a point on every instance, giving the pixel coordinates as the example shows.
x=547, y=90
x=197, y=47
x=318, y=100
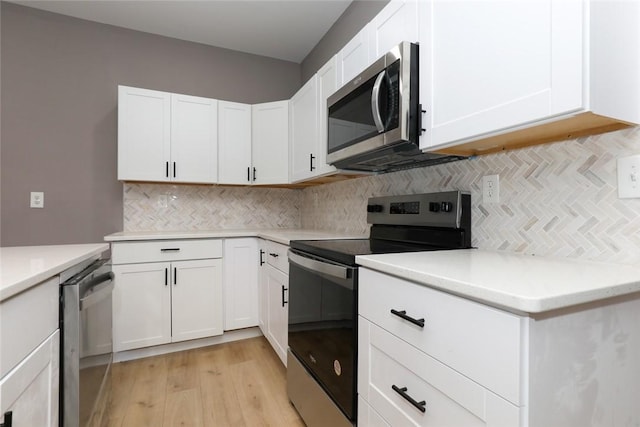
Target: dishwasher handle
x=99, y=288
x=330, y=269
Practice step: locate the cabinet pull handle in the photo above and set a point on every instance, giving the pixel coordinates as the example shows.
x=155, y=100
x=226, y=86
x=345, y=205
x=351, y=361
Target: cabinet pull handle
x=274, y=255
x=402, y=392
x=403, y=315
x=420, y=128
x=175, y=276
x=261, y=254
x=283, y=291
x=166, y=169
x=169, y=249
x=8, y=416
x=311, y=159
x=249, y=174
x=254, y=174
x=166, y=276
x=174, y=169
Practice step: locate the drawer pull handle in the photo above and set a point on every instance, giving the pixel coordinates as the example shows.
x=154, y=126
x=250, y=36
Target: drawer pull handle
x=403, y=392
x=403, y=314
x=283, y=291
x=8, y=419
x=169, y=249
x=274, y=255
x=261, y=253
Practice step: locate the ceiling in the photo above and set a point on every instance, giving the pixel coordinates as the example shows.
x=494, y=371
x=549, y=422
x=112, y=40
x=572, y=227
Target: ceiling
x=279, y=29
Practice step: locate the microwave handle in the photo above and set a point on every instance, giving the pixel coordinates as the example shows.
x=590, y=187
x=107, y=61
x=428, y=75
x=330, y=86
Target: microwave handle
x=375, y=106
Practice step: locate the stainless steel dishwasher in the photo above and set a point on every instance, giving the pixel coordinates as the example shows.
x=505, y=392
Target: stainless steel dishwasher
x=86, y=344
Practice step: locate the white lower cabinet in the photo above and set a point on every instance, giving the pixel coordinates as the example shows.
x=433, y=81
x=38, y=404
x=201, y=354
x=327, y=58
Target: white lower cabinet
x=476, y=365
x=168, y=301
x=273, y=296
x=30, y=390
x=409, y=387
x=241, y=271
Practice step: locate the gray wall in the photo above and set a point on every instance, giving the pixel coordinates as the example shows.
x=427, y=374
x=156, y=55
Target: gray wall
x=59, y=78
x=354, y=18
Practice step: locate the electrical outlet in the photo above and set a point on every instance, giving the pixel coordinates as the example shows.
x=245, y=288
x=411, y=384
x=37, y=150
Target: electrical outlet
x=629, y=177
x=37, y=199
x=491, y=189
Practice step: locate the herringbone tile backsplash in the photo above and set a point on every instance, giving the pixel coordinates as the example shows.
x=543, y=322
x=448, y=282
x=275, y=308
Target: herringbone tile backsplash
x=161, y=207
x=556, y=199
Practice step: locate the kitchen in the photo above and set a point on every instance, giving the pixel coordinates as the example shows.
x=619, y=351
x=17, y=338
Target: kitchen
x=558, y=200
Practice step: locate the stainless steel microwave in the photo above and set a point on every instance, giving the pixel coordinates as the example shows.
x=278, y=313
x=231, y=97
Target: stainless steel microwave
x=374, y=120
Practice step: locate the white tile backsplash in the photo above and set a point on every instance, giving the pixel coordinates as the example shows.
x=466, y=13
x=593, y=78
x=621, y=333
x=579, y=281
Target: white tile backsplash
x=555, y=199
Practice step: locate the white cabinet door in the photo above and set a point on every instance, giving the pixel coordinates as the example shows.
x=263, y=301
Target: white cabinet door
x=194, y=139
x=327, y=85
x=277, y=311
x=30, y=390
x=144, y=123
x=492, y=65
x=270, y=142
x=262, y=286
x=241, y=268
x=353, y=58
x=304, y=130
x=397, y=22
x=141, y=305
x=197, y=308
x=234, y=143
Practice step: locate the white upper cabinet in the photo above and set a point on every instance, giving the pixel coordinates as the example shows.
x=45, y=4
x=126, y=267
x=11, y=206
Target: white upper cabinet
x=144, y=132
x=327, y=85
x=397, y=22
x=166, y=137
x=492, y=65
x=234, y=136
x=303, y=122
x=270, y=142
x=194, y=139
x=354, y=57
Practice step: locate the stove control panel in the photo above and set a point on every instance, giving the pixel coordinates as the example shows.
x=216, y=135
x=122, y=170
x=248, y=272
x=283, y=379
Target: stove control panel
x=430, y=209
x=404, y=208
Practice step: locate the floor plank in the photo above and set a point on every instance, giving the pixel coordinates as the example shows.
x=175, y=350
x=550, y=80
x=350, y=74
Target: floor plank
x=241, y=384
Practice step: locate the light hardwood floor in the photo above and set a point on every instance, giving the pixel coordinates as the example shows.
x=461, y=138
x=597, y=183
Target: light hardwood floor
x=242, y=383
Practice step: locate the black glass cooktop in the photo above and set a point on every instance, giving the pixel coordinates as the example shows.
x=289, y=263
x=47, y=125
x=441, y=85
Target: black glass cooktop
x=345, y=251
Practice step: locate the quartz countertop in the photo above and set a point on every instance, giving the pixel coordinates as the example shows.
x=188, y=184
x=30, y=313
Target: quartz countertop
x=22, y=267
x=283, y=236
x=521, y=283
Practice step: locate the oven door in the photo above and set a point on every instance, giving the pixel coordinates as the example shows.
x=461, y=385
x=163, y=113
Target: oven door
x=322, y=324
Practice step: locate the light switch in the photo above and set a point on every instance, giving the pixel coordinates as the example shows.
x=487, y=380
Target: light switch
x=629, y=177
x=37, y=199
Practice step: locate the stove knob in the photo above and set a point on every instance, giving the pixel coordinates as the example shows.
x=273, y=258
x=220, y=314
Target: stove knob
x=434, y=207
x=446, y=206
x=374, y=208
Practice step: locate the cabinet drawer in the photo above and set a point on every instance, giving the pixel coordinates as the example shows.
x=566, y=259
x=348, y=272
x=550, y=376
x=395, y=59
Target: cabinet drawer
x=277, y=256
x=478, y=341
x=368, y=417
x=165, y=250
x=35, y=309
x=389, y=367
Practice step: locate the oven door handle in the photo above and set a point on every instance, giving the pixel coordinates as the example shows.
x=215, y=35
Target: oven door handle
x=101, y=288
x=321, y=267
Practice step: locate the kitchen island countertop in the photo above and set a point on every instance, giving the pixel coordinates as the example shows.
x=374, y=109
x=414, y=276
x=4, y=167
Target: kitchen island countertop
x=22, y=267
x=520, y=283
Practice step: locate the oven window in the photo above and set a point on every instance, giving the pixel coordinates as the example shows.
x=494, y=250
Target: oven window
x=322, y=331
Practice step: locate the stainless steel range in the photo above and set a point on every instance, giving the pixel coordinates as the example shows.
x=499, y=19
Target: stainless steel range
x=323, y=296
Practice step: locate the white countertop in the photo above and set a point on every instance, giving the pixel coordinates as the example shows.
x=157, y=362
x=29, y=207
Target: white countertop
x=283, y=235
x=522, y=283
x=22, y=267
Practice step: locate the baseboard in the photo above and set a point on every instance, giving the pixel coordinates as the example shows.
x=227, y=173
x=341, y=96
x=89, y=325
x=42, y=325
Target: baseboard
x=229, y=336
